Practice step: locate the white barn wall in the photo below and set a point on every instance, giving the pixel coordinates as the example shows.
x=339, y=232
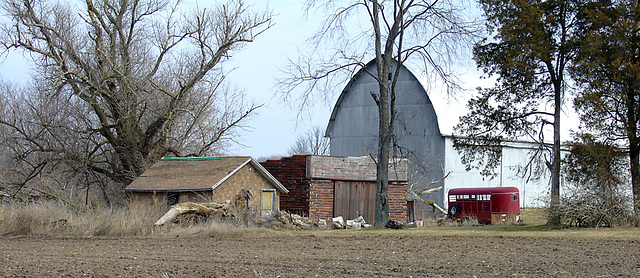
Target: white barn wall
x=532, y=193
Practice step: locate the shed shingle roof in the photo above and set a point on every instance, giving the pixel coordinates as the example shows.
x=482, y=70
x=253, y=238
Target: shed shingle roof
x=194, y=174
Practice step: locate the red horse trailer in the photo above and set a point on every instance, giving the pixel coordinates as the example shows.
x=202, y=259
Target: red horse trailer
x=489, y=205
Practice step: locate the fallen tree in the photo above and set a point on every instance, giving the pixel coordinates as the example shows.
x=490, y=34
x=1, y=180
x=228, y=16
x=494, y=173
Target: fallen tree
x=205, y=209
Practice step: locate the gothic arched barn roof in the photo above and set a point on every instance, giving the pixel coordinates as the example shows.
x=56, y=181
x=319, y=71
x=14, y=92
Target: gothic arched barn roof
x=353, y=125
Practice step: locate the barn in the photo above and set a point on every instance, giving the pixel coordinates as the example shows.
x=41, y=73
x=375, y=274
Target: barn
x=353, y=131
x=207, y=179
x=323, y=187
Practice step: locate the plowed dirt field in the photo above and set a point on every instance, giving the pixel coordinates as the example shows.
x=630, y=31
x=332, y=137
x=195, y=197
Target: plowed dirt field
x=323, y=255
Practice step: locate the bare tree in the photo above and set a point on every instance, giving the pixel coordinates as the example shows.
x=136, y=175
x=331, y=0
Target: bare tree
x=431, y=31
x=144, y=79
x=312, y=142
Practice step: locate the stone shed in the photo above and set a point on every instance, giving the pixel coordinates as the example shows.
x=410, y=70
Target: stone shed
x=207, y=179
x=323, y=187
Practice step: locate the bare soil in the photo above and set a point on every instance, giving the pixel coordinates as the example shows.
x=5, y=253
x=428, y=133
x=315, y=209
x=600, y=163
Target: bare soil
x=319, y=255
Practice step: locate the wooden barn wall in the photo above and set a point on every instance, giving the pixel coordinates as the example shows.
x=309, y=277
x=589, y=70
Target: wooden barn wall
x=291, y=172
x=353, y=199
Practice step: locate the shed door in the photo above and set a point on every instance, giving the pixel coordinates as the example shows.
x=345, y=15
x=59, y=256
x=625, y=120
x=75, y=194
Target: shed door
x=353, y=199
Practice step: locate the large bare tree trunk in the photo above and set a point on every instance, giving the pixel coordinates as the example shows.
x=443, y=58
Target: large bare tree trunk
x=384, y=139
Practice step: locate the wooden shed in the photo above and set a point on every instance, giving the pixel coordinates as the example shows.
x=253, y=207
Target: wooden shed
x=207, y=179
x=323, y=187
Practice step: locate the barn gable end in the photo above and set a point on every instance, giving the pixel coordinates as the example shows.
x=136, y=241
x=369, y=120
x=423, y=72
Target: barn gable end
x=353, y=125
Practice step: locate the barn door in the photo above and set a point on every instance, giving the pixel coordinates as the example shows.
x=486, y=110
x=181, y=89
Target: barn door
x=353, y=199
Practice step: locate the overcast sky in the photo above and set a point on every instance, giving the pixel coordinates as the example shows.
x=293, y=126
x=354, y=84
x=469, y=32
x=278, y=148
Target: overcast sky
x=257, y=68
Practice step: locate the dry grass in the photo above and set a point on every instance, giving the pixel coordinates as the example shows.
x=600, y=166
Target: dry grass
x=53, y=219
x=56, y=219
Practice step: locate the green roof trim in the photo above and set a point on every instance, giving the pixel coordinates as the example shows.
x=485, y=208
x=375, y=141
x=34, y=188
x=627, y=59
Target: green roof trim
x=190, y=158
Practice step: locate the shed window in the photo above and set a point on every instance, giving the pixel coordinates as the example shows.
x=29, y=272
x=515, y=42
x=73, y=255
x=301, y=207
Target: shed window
x=514, y=197
x=173, y=198
x=268, y=199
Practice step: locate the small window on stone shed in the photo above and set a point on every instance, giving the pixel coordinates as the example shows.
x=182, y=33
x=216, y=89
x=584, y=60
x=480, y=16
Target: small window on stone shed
x=268, y=199
x=173, y=198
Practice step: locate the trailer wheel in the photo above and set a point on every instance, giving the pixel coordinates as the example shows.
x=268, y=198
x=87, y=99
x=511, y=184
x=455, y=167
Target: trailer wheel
x=454, y=209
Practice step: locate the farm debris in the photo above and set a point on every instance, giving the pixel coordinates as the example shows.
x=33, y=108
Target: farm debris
x=358, y=223
x=203, y=209
x=337, y=222
x=394, y=225
x=290, y=221
x=322, y=223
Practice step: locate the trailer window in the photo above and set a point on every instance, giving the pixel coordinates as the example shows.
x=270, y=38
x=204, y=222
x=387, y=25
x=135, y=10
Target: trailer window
x=514, y=197
x=452, y=198
x=473, y=197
